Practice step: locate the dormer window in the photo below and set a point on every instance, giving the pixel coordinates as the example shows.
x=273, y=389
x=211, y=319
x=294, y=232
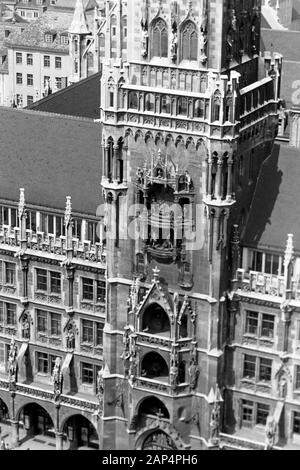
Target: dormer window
x=49, y=37
x=64, y=39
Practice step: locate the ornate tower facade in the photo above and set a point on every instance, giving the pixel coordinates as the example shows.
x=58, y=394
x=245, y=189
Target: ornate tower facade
x=189, y=114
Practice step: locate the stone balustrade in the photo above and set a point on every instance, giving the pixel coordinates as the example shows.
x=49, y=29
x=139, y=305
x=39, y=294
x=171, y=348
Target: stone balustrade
x=48, y=243
x=269, y=284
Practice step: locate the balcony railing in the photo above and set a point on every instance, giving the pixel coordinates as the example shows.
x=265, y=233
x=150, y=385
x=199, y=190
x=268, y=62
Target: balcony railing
x=269, y=284
x=48, y=243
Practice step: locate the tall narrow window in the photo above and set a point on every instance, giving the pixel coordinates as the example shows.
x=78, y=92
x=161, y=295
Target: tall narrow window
x=189, y=41
x=159, y=39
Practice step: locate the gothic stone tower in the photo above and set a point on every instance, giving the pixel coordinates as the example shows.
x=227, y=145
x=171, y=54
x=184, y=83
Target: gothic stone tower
x=188, y=117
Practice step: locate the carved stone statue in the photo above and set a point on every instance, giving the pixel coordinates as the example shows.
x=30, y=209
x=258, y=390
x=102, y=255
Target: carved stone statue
x=173, y=375
x=70, y=337
x=203, y=42
x=215, y=421
x=57, y=378
x=145, y=42
x=282, y=387
x=12, y=362
x=174, y=46
x=193, y=371
x=26, y=327
x=270, y=433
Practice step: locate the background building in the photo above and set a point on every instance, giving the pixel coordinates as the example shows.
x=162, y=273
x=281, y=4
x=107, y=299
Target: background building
x=59, y=48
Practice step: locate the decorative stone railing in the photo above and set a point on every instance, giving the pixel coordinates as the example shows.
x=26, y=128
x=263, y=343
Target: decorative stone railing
x=51, y=340
x=258, y=387
x=261, y=283
x=154, y=340
x=249, y=339
x=152, y=385
x=8, y=330
x=239, y=443
x=91, y=307
x=42, y=242
x=9, y=235
x=10, y=290
x=90, y=349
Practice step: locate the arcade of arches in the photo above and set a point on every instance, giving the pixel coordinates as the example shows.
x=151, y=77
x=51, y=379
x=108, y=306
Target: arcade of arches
x=33, y=420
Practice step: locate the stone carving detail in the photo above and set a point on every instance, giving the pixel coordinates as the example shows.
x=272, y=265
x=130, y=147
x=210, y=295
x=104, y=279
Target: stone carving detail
x=145, y=27
x=57, y=378
x=26, y=326
x=270, y=433
x=12, y=362
x=215, y=422
x=70, y=336
x=174, y=367
x=100, y=391
x=193, y=371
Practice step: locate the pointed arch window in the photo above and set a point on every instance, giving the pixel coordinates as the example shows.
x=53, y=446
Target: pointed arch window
x=189, y=41
x=182, y=106
x=149, y=102
x=133, y=102
x=159, y=39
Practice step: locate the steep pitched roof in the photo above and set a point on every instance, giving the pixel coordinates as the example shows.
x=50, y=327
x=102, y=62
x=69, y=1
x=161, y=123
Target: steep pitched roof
x=33, y=35
x=80, y=99
x=284, y=42
x=275, y=209
x=51, y=157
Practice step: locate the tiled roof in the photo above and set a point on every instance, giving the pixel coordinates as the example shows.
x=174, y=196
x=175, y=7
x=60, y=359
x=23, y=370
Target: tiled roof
x=51, y=157
x=275, y=209
x=33, y=35
x=284, y=42
x=81, y=99
x=70, y=5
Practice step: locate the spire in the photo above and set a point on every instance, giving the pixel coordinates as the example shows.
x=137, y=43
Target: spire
x=79, y=23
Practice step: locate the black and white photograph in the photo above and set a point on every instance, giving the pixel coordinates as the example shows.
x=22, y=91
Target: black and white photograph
x=149, y=228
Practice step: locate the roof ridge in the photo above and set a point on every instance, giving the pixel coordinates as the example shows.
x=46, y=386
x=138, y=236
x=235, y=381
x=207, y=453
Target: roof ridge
x=50, y=114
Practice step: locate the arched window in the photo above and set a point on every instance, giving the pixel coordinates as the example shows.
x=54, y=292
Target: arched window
x=133, y=102
x=165, y=104
x=149, y=102
x=159, y=38
x=189, y=41
x=199, y=109
x=182, y=106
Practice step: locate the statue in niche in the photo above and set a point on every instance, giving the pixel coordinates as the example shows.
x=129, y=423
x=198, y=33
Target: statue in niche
x=70, y=337
x=193, y=371
x=174, y=44
x=26, y=327
x=174, y=367
x=203, y=42
x=282, y=387
x=57, y=378
x=270, y=433
x=12, y=361
x=145, y=42
x=188, y=181
x=100, y=390
x=215, y=421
